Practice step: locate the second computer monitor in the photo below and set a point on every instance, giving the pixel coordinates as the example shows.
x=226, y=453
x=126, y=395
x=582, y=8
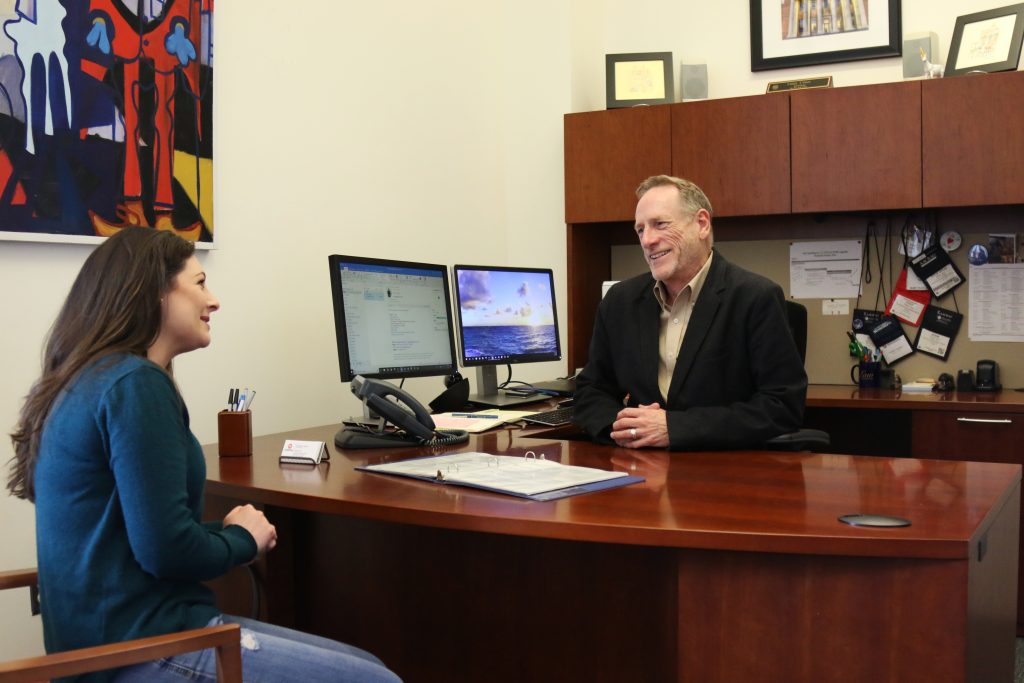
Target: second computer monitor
x=506, y=315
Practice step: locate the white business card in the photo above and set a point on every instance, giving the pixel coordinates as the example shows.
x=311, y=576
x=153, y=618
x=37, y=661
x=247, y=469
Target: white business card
x=296, y=451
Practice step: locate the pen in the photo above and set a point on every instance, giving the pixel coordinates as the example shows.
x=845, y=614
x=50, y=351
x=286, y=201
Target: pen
x=231, y=402
x=241, y=400
x=248, y=401
x=476, y=416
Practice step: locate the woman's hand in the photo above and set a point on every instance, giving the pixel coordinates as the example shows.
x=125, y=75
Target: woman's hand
x=256, y=523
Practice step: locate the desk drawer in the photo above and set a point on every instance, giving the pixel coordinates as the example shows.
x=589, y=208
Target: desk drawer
x=966, y=435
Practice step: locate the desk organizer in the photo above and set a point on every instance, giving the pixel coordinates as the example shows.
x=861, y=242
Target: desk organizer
x=234, y=433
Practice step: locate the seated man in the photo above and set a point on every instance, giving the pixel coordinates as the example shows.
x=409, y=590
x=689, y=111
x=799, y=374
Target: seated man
x=697, y=355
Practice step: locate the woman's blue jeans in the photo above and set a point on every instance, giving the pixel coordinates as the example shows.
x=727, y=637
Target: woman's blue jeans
x=272, y=654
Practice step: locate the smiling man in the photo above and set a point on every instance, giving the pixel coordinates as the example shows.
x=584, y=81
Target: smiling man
x=696, y=355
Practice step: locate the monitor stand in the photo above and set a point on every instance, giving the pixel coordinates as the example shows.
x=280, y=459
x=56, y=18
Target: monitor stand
x=490, y=397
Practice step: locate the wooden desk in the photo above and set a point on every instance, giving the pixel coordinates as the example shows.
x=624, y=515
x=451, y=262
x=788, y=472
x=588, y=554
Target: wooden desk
x=974, y=425
x=850, y=396
x=721, y=567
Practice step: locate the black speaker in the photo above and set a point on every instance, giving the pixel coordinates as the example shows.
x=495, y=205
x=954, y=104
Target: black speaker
x=965, y=380
x=454, y=397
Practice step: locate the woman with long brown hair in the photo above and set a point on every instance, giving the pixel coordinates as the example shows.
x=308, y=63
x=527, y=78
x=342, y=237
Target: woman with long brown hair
x=103, y=448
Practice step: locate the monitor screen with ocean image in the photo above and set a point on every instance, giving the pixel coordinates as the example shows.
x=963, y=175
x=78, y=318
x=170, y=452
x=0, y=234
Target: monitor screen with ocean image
x=506, y=315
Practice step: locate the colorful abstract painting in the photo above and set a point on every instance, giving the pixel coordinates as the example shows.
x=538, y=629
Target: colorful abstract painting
x=106, y=118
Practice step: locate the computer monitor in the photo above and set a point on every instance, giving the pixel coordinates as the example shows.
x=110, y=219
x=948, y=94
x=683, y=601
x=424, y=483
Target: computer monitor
x=392, y=318
x=506, y=316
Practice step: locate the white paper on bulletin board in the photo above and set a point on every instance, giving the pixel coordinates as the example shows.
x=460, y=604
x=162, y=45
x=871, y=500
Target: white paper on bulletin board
x=824, y=270
x=997, y=302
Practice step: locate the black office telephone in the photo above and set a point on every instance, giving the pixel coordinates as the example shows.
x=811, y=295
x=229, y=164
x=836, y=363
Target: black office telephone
x=414, y=424
x=987, y=376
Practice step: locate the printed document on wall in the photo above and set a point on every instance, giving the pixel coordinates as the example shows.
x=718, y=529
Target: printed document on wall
x=997, y=302
x=824, y=270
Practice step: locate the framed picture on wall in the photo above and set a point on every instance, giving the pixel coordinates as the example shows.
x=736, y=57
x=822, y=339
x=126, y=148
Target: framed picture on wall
x=987, y=41
x=790, y=33
x=91, y=142
x=638, y=78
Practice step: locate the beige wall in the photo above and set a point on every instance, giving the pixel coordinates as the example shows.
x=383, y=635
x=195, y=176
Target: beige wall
x=424, y=131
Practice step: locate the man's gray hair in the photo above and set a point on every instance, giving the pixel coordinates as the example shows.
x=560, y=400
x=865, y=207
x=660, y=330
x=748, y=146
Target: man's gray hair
x=691, y=196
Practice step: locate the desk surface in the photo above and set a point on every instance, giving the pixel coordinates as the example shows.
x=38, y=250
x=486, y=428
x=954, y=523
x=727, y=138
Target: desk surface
x=449, y=583
x=745, y=500
x=850, y=396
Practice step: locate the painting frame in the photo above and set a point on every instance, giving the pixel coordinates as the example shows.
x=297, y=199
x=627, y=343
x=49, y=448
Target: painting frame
x=970, y=30
x=106, y=121
x=767, y=52
x=616, y=88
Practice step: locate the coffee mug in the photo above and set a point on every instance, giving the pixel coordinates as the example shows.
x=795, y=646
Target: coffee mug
x=867, y=375
x=887, y=379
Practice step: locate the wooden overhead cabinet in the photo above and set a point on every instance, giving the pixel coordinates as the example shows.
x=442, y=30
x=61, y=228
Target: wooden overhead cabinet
x=857, y=149
x=973, y=140
x=607, y=154
x=737, y=151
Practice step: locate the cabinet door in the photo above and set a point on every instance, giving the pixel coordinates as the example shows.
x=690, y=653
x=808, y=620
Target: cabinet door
x=607, y=155
x=856, y=149
x=973, y=140
x=737, y=150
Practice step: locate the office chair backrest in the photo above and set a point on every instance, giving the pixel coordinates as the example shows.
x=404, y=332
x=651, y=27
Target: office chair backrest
x=802, y=439
x=796, y=314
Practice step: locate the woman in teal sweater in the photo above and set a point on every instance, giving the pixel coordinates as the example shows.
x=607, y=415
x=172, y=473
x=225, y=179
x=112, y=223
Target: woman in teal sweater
x=103, y=448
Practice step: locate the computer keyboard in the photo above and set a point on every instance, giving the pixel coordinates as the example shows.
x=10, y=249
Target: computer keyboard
x=551, y=418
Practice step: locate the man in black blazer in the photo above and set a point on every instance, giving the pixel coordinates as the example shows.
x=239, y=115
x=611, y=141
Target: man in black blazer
x=696, y=355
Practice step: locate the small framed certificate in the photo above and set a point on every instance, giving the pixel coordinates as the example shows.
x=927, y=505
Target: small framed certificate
x=987, y=41
x=638, y=78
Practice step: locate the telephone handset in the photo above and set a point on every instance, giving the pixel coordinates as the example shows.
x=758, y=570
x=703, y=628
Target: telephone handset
x=405, y=412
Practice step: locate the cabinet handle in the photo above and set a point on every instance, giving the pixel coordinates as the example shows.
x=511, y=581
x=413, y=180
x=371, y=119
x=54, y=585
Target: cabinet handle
x=1002, y=421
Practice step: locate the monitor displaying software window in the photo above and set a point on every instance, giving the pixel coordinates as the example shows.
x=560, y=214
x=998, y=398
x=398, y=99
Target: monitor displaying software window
x=506, y=315
x=392, y=318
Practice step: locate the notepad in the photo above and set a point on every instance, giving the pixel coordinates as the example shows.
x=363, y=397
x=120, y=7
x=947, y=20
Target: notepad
x=477, y=422
x=526, y=477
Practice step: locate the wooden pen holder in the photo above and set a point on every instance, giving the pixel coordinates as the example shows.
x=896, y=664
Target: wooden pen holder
x=234, y=433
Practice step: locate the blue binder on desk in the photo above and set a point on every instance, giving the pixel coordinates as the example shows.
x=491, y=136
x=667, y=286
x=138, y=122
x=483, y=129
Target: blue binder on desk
x=527, y=477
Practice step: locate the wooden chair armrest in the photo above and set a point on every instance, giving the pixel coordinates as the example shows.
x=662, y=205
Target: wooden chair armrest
x=23, y=578
x=226, y=638
x=18, y=578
